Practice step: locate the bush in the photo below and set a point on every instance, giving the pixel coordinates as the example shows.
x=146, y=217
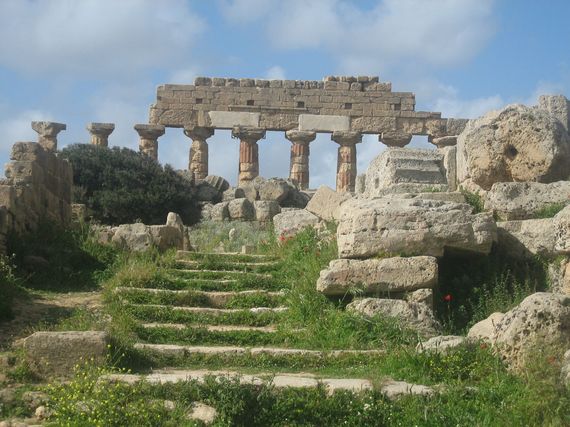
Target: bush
x=121, y=186
x=9, y=288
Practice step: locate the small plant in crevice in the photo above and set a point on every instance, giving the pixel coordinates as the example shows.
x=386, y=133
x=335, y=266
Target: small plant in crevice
x=549, y=211
x=474, y=200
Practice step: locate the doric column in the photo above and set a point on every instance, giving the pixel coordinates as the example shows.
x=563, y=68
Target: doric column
x=100, y=133
x=198, y=160
x=248, y=152
x=299, y=169
x=346, y=164
x=148, y=142
x=47, y=132
x=395, y=138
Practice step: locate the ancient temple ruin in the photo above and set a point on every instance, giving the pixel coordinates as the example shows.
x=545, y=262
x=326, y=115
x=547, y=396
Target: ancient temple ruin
x=345, y=107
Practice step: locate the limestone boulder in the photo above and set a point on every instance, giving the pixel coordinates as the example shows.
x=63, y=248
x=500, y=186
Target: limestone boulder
x=54, y=354
x=273, y=189
x=394, y=390
x=541, y=319
x=517, y=143
x=166, y=237
x=133, y=237
x=290, y=222
x=421, y=296
x=565, y=370
x=241, y=209
x=401, y=170
x=373, y=276
x=413, y=315
x=265, y=210
x=206, y=192
x=296, y=199
x=232, y=194
x=558, y=274
x=522, y=200
x=220, y=212
x=326, y=203
x=525, y=239
x=486, y=328
x=412, y=227
x=217, y=182
x=562, y=231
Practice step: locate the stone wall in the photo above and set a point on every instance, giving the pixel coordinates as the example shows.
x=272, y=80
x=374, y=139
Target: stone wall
x=37, y=187
x=361, y=104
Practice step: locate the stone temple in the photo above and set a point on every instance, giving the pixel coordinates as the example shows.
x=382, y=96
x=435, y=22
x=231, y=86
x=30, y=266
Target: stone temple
x=346, y=107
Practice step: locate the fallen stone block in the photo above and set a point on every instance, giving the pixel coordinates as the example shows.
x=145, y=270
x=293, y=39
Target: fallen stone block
x=326, y=203
x=289, y=223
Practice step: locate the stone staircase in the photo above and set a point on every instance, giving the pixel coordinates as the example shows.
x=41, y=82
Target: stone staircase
x=222, y=315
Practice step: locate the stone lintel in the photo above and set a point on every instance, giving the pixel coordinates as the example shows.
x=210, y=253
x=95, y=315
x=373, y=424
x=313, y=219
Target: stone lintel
x=300, y=136
x=323, y=123
x=48, y=128
x=347, y=138
x=445, y=141
x=146, y=131
x=198, y=132
x=395, y=138
x=229, y=119
x=248, y=134
x=101, y=129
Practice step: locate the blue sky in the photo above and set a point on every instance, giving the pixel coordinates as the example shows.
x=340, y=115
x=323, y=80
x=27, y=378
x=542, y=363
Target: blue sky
x=77, y=61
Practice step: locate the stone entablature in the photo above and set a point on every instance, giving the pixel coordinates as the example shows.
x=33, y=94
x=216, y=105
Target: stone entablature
x=361, y=104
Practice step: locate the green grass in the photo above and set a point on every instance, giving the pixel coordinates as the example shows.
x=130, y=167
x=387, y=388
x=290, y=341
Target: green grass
x=210, y=236
x=474, y=200
x=549, y=211
x=10, y=288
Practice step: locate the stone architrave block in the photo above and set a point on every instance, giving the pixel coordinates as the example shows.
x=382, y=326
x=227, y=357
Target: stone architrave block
x=323, y=123
x=55, y=354
x=326, y=203
x=412, y=227
x=373, y=276
x=230, y=119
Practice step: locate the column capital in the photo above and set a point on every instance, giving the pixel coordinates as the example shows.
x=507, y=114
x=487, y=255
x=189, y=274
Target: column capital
x=395, y=138
x=146, y=131
x=101, y=129
x=198, y=132
x=49, y=129
x=444, y=141
x=346, y=137
x=300, y=136
x=248, y=134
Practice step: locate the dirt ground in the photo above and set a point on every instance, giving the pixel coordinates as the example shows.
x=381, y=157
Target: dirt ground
x=40, y=308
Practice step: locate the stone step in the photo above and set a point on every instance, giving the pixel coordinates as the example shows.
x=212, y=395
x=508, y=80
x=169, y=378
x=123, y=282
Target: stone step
x=277, y=380
x=212, y=328
x=215, y=311
x=216, y=274
x=213, y=299
x=184, y=350
x=229, y=256
x=227, y=266
x=179, y=282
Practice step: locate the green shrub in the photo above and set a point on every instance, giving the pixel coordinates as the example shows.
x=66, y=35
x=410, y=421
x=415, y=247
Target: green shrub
x=474, y=200
x=549, y=210
x=121, y=186
x=9, y=288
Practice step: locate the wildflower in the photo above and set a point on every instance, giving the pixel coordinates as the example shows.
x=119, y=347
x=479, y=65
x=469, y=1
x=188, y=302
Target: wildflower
x=447, y=298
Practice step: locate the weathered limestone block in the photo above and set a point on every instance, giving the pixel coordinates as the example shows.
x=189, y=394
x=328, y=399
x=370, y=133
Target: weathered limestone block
x=100, y=133
x=273, y=189
x=218, y=182
x=373, y=276
x=48, y=132
x=265, y=210
x=220, y=211
x=524, y=239
x=421, y=296
x=486, y=328
x=165, y=237
x=411, y=226
x=521, y=200
x=400, y=167
x=241, y=209
x=233, y=193
x=291, y=222
x=148, y=139
x=517, y=143
x=394, y=390
x=414, y=315
x=450, y=166
x=565, y=370
x=133, y=237
x=395, y=138
x=542, y=319
x=326, y=203
x=441, y=344
x=55, y=354
x=206, y=192
x=562, y=231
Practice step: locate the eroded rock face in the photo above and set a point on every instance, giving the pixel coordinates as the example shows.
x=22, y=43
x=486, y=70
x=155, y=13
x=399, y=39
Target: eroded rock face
x=289, y=223
x=522, y=200
x=134, y=237
x=517, y=143
x=542, y=319
x=326, y=203
x=265, y=210
x=374, y=276
x=415, y=315
x=241, y=209
x=411, y=226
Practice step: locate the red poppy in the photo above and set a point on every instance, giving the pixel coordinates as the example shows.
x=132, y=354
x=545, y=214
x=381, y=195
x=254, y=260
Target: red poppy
x=447, y=298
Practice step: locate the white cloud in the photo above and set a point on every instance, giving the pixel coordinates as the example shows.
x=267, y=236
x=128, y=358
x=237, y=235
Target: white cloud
x=183, y=76
x=275, y=73
x=95, y=37
x=245, y=11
